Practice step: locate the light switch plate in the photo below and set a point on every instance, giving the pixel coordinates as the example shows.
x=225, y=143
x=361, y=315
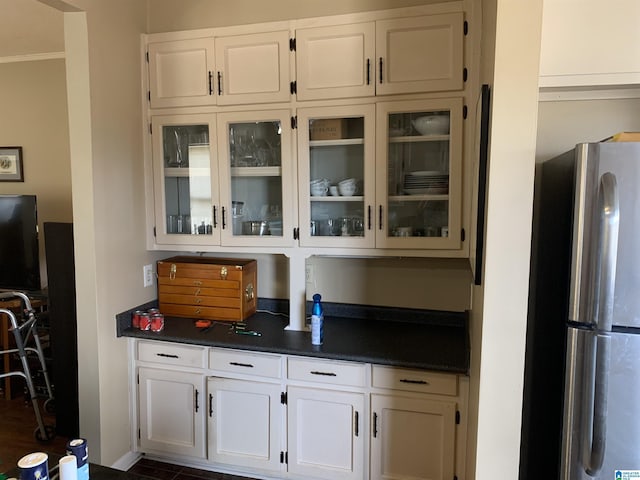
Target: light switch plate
x=147, y=271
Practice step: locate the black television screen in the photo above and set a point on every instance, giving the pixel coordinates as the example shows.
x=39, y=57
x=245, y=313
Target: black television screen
x=19, y=254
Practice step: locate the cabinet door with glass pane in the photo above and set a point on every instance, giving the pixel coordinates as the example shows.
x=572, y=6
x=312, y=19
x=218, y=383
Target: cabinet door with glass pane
x=185, y=180
x=256, y=178
x=336, y=170
x=419, y=174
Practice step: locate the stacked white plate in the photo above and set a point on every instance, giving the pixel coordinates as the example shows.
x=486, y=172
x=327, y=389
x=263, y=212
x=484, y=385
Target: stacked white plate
x=426, y=182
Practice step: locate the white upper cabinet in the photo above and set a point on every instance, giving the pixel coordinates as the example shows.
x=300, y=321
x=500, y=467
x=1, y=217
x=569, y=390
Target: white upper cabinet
x=590, y=43
x=420, y=54
x=226, y=70
x=252, y=68
x=400, y=55
x=180, y=72
x=335, y=61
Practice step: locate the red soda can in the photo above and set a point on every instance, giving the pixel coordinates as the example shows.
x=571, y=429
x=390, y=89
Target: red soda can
x=153, y=311
x=157, y=322
x=145, y=321
x=135, y=319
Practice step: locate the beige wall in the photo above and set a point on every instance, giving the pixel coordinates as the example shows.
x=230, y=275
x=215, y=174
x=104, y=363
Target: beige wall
x=562, y=124
x=107, y=172
x=169, y=15
x=34, y=116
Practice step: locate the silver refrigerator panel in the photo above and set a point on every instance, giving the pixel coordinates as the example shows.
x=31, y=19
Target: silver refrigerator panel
x=623, y=160
x=621, y=450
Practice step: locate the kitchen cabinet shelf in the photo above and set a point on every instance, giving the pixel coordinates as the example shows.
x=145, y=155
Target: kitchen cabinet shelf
x=187, y=172
x=353, y=198
x=417, y=198
x=336, y=143
x=256, y=171
x=419, y=138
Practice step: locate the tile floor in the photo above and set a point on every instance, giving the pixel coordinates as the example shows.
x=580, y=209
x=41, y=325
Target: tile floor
x=153, y=469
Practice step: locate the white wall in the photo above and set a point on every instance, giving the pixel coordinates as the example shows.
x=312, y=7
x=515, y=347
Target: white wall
x=107, y=173
x=500, y=306
x=34, y=105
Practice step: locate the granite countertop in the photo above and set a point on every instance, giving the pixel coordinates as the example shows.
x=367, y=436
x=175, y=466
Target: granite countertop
x=399, y=337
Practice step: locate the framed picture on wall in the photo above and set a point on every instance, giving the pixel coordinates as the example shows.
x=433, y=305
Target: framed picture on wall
x=11, y=169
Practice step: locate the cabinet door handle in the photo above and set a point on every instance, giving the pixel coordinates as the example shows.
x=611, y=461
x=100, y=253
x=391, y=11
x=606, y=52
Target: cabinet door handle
x=167, y=355
x=196, y=399
x=210, y=82
x=415, y=382
x=215, y=217
x=369, y=217
x=238, y=364
x=211, y=405
x=380, y=69
x=375, y=424
x=380, y=219
x=356, y=426
x=326, y=374
x=368, y=71
x=219, y=83
x=224, y=220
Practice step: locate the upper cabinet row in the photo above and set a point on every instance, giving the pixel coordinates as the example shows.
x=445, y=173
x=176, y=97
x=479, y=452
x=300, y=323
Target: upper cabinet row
x=382, y=57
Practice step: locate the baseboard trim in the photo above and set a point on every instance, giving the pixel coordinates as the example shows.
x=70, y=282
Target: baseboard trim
x=126, y=461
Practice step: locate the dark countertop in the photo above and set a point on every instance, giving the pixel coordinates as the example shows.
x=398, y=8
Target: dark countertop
x=408, y=338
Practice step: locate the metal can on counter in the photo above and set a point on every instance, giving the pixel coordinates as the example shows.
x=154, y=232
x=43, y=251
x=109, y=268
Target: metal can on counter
x=157, y=322
x=135, y=319
x=145, y=321
x=153, y=311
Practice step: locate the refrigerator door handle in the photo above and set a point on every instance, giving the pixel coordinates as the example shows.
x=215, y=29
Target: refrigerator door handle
x=597, y=366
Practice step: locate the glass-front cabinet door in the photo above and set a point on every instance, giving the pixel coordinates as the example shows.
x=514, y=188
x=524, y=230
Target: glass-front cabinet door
x=185, y=180
x=256, y=178
x=419, y=174
x=336, y=170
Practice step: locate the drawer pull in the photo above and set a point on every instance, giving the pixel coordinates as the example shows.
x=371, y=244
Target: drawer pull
x=415, y=382
x=167, y=355
x=198, y=311
x=197, y=282
x=172, y=271
x=356, y=422
x=325, y=374
x=211, y=405
x=198, y=290
x=198, y=300
x=238, y=364
x=375, y=424
x=197, y=407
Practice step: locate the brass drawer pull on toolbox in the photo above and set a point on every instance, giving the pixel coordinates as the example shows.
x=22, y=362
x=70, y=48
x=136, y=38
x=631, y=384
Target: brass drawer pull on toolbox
x=207, y=287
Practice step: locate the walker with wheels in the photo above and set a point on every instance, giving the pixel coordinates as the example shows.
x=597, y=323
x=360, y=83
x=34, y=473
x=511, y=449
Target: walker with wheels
x=25, y=331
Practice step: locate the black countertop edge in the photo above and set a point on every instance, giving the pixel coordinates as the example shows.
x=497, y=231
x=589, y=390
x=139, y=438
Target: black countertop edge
x=402, y=344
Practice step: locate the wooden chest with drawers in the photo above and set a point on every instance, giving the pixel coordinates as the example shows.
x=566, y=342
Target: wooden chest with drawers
x=207, y=287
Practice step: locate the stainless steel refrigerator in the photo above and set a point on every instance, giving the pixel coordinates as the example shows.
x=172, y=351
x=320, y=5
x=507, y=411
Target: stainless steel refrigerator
x=581, y=409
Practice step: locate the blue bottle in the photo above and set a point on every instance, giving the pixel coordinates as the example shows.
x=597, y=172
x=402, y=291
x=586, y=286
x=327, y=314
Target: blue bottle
x=317, y=321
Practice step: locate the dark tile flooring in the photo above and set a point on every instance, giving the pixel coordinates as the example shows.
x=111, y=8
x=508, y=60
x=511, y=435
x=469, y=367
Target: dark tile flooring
x=153, y=469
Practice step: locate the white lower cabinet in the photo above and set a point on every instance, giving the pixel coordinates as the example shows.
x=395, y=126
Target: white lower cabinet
x=325, y=433
x=171, y=412
x=243, y=423
x=412, y=438
x=266, y=414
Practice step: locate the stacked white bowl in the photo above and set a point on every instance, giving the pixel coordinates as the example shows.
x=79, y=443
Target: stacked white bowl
x=348, y=187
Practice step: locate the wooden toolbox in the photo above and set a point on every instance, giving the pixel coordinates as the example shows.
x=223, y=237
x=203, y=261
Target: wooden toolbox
x=206, y=287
